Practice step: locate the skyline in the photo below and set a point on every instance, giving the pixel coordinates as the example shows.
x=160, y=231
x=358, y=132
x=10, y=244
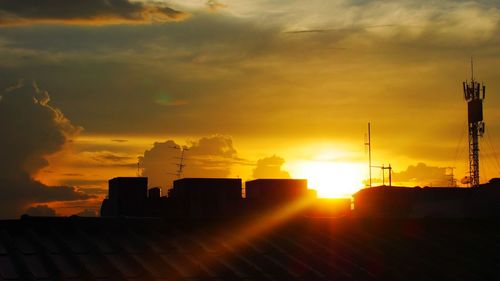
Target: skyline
x=283, y=89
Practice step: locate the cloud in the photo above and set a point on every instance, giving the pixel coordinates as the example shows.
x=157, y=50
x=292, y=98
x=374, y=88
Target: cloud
x=94, y=190
x=422, y=174
x=270, y=167
x=207, y=157
x=14, y=12
x=84, y=182
x=214, y=5
x=363, y=68
x=102, y=158
x=31, y=129
x=41, y=211
x=109, y=157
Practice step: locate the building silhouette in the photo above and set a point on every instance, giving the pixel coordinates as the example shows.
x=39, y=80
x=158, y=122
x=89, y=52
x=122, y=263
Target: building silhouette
x=215, y=198
x=126, y=196
x=428, y=202
x=275, y=191
x=221, y=199
x=201, y=198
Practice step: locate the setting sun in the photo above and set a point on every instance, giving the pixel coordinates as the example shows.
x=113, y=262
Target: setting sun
x=331, y=179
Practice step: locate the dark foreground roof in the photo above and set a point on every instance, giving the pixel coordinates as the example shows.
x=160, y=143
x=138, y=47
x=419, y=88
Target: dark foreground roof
x=343, y=249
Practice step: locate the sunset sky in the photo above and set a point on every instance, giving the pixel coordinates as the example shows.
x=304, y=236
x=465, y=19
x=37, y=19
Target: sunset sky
x=252, y=88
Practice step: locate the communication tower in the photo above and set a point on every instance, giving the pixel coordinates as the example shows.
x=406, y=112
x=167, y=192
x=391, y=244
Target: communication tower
x=474, y=94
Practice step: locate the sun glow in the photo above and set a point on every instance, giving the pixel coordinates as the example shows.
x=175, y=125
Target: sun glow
x=331, y=179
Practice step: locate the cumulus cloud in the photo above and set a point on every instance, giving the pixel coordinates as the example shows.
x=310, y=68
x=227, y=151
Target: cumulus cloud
x=422, y=174
x=41, y=211
x=207, y=157
x=31, y=129
x=13, y=12
x=270, y=167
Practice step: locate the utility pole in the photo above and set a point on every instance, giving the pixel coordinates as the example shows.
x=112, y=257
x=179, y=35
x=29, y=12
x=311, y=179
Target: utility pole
x=383, y=168
x=390, y=174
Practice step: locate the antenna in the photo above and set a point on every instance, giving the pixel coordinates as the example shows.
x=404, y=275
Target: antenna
x=369, y=144
x=383, y=168
x=474, y=94
x=181, y=164
x=450, y=173
x=472, y=68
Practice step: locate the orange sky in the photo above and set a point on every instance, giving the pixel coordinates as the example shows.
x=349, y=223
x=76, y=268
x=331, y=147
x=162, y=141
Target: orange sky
x=291, y=85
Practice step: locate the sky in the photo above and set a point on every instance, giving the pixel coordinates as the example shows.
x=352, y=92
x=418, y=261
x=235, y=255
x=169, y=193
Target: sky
x=94, y=89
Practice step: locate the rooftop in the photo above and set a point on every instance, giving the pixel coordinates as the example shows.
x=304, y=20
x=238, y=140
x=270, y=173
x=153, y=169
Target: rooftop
x=77, y=248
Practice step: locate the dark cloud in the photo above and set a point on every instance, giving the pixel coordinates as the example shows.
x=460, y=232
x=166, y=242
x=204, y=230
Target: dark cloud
x=94, y=190
x=208, y=157
x=84, y=12
x=41, y=211
x=31, y=129
x=422, y=174
x=101, y=158
x=270, y=167
x=82, y=182
x=107, y=157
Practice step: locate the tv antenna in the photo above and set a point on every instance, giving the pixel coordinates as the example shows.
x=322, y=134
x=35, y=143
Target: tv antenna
x=181, y=164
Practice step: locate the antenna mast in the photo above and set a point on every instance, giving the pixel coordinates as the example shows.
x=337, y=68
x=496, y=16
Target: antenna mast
x=474, y=94
x=369, y=144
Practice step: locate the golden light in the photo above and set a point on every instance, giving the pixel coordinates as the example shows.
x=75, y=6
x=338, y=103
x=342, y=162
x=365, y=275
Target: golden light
x=331, y=179
x=237, y=237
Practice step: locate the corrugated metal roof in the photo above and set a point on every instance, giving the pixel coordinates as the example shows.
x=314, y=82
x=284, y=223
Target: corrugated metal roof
x=153, y=249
